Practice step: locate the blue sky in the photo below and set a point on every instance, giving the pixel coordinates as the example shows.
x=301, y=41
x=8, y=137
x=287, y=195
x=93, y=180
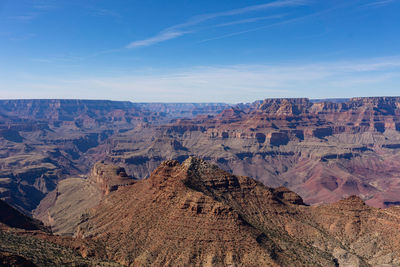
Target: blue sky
x=198, y=51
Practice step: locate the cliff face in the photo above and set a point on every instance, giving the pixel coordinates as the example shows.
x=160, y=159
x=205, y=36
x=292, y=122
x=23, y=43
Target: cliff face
x=45, y=141
x=108, y=177
x=64, y=207
x=197, y=214
x=285, y=106
x=273, y=119
x=322, y=150
x=320, y=119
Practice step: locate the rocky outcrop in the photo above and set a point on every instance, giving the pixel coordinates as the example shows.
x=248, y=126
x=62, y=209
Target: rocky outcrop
x=45, y=141
x=278, y=138
x=285, y=106
x=197, y=214
x=281, y=142
x=64, y=207
x=320, y=149
x=288, y=196
x=190, y=214
x=109, y=177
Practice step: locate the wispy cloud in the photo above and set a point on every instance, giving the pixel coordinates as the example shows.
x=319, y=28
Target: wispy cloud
x=232, y=83
x=256, y=29
x=379, y=3
x=250, y=20
x=161, y=37
x=274, y=24
x=184, y=28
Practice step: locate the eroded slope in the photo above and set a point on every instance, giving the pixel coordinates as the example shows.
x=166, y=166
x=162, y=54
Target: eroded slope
x=197, y=214
x=322, y=150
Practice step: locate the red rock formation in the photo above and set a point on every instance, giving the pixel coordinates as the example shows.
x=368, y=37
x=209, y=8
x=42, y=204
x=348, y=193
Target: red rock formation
x=322, y=150
x=109, y=177
x=197, y=214
x=45, y=141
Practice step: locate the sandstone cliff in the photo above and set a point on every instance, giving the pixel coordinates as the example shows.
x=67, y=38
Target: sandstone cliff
x=43, y=141
x=64, y=207
x=320, y=149
x=197, y=214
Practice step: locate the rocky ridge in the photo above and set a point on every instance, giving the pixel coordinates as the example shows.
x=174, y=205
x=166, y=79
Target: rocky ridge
x=197, y=214
x=322, y=150
x=44, y=141
x=108, y=177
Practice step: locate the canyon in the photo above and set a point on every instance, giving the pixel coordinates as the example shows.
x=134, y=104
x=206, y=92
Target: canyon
x=143, y=184
x=195, y=214
x=45, y=141
x=324, y=151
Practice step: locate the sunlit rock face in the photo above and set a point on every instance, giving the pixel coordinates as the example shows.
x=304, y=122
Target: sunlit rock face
x=324, y=150
x=194, y=213
x=45, y=141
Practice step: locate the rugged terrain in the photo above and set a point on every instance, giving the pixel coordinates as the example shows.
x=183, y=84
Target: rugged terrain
x=197, y=214
x=45, y=141
x=26, y=242
x=322, y=150
x=62, y=209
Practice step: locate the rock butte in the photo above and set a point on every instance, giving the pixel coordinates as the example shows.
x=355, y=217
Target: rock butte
x=323, y=151
x=197, y=214
x=45, y=141
x=80, y=165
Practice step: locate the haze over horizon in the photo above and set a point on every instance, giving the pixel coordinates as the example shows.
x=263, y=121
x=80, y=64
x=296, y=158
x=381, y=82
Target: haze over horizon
x=198, y=51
